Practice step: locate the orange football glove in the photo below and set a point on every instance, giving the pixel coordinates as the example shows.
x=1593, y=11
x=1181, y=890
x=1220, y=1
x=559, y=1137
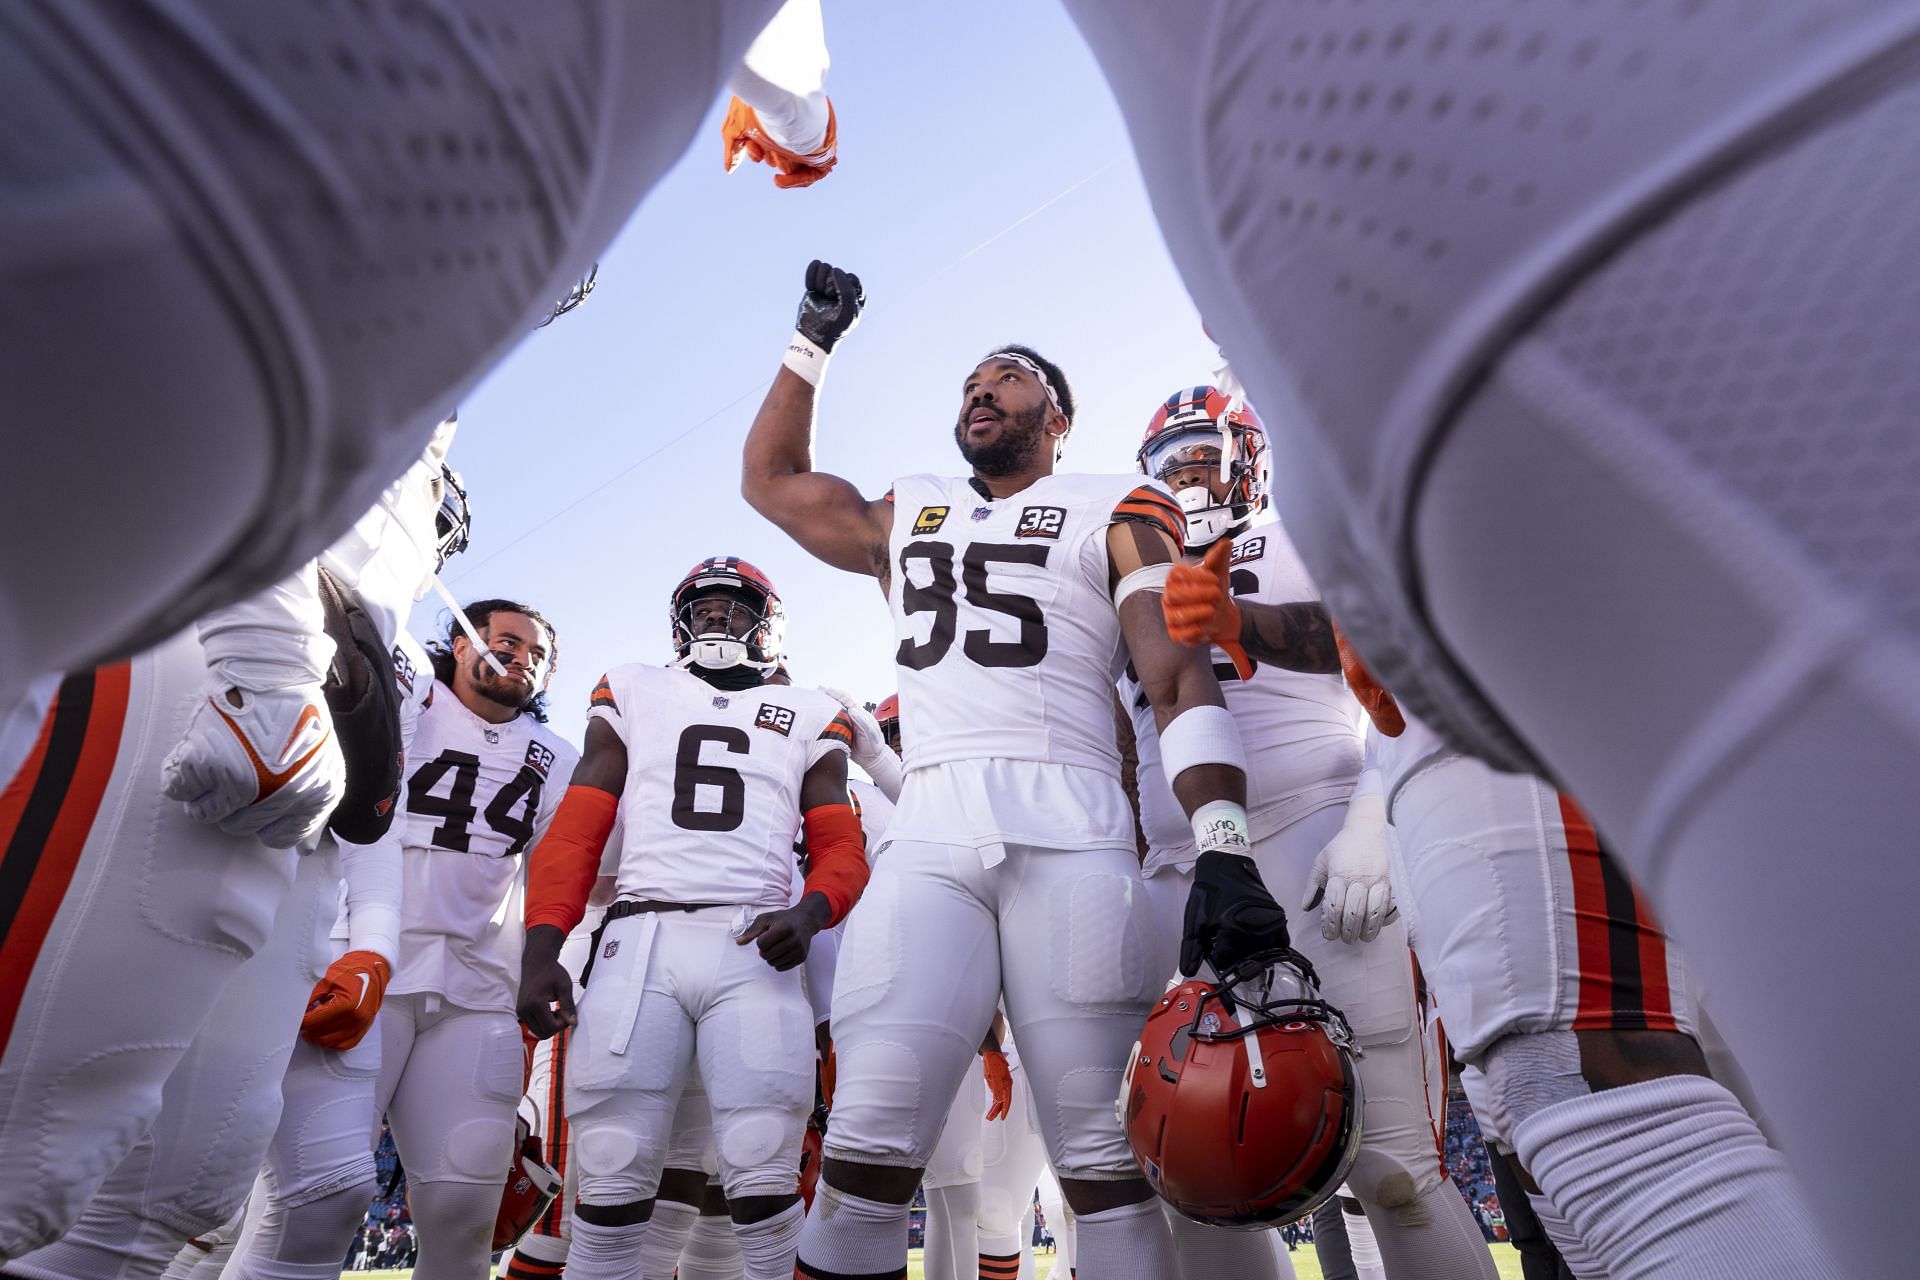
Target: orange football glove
x=343, y=1004
x=744, y=138
x=1200, y=609
x=999, y=1083
x=1379, y=704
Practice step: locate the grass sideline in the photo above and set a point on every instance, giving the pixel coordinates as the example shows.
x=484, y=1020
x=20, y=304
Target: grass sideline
x=1305, y=1266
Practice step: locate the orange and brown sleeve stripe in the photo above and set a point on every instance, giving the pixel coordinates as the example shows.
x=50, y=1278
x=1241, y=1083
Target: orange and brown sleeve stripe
x=602, y=696
x=1151, y=507
x=46, y=813
x=839, y=729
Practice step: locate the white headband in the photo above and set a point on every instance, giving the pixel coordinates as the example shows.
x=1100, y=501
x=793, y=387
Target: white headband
x=1046, y=383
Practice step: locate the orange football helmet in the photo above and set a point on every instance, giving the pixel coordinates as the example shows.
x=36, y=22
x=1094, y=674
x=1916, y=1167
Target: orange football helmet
x=1200, y=426
x=760, y=647
x=1241, y=1101
x=531, y=1185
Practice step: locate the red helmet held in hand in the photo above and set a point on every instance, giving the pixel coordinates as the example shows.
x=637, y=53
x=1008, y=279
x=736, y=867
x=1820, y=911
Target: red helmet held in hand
x=530, y=1188
x=1241, y=1101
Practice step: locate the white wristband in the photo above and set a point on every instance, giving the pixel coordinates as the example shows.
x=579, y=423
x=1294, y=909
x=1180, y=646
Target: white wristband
x=1221, y=825
x=1201, y=735
x=805, y=359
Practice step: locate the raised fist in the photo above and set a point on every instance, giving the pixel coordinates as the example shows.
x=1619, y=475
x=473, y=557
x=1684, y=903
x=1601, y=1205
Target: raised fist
x=830, y=306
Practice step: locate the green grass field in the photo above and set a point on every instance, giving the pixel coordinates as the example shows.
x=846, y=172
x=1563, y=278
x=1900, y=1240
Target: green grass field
x=1305, y=1265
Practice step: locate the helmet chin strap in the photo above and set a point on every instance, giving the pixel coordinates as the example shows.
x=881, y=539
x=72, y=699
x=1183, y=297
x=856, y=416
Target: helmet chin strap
x=1207, y=520
x=433, y=581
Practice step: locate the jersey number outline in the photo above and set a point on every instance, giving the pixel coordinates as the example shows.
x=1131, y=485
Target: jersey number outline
x=938, y=597
x=689, y=774
x=456, y=809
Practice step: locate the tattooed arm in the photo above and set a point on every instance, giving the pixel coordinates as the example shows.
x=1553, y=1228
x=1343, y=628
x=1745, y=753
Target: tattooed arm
x=1296, y=636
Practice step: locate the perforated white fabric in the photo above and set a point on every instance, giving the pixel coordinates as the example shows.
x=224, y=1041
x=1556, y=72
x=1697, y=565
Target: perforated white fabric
x=1368, y=199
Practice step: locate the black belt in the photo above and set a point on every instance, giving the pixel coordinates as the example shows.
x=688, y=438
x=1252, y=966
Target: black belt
x=633, y=907
x=640, y=906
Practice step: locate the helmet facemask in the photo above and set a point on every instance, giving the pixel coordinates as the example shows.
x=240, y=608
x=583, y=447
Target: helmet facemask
x=1228, y=449
x=747, y=634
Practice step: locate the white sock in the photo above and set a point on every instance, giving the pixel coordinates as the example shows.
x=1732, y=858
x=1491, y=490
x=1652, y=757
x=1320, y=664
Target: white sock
x=1573, y=1251
x=1432, y=1235
x=848, y=1236
x=1671, y=1177
x=712, y=1252
x=768, y=1245
x=669, y=1226
x=1206, y=1252
x=595, y=1252
x=1128, y=1243
x=953, y=1215
x=1365, y=1246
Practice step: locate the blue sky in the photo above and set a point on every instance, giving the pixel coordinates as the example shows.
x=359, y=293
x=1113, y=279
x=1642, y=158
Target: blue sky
x=986, y=193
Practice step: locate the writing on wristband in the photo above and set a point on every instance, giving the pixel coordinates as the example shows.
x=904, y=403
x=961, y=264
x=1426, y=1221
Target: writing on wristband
x=805, y=359
x=1221, y=825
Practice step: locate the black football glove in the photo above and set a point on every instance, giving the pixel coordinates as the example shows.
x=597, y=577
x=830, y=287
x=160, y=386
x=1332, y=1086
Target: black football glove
x=1230, y=914
x=830, y=306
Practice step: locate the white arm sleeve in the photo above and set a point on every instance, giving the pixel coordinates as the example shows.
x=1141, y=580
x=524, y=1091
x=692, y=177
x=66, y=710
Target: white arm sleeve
x=784, y=75
x=886, y=773
x=273, y=640
x=823, y=957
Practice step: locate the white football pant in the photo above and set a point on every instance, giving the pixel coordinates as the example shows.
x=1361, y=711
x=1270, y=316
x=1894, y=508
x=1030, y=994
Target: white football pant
x=131, y=920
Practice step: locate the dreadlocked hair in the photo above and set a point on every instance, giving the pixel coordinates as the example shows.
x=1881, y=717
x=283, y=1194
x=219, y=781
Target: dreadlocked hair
x=479, y=613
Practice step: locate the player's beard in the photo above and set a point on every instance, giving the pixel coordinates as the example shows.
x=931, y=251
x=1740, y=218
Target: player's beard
x=508, y=693
x=1014, y=450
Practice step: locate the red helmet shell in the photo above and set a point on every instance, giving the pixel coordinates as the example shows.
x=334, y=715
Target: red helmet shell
x=889, y=709
x=1207, y=415
x=1220, y=1147
x=530, y=1188
x=766, y=642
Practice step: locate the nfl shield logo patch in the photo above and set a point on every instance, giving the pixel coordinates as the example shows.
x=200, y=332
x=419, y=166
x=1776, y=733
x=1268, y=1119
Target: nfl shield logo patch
x=981, y=513
x=493, y=735
x=611, y=949
x=720, y=700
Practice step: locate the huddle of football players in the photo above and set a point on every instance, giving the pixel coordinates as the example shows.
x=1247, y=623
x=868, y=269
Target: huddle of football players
x=1586, y=335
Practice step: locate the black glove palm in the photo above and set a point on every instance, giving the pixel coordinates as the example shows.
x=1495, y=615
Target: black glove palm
x=1230, y=914
x=830, y=306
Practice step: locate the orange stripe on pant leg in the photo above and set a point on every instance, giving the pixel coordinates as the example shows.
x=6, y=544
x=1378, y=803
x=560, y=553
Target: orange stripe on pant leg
x=47, y=811
x=1656, y=993
x=1590, y=918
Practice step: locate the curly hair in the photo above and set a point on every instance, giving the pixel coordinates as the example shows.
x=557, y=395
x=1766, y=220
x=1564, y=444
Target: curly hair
x=479, y=613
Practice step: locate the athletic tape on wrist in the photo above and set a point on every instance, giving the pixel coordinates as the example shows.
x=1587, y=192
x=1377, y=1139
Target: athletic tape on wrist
x=1201, y=735
x=1221, y=825
x=1148, y=577
x=805, y=359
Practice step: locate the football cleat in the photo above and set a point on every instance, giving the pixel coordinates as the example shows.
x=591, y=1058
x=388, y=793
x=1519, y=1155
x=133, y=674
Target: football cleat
x=1203, y=427
x=531, y=1185
x=762, y=643
x=1241, y=1101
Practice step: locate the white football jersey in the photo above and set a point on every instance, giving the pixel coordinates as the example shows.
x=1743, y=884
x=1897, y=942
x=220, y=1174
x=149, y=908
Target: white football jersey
x=1009, y=646
x=477, y=796
x=1301, y=732
x=712, y=801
